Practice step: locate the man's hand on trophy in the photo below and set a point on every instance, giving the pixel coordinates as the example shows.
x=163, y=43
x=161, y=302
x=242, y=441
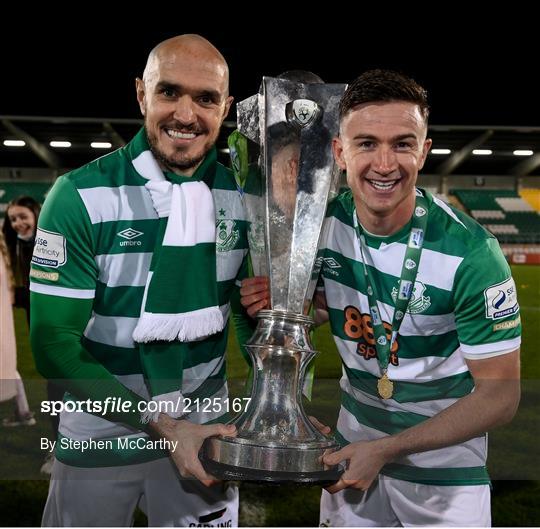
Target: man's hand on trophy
x=319, y=425
x=189, y=438
x=320, y=313
x=255, y=294
x=364, y=461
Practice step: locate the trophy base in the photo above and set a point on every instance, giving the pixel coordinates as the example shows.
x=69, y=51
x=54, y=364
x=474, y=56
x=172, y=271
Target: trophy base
x=240, y=459
x=323, y=478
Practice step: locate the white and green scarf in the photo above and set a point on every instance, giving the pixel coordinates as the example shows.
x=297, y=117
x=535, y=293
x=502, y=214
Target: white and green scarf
x=180, y=302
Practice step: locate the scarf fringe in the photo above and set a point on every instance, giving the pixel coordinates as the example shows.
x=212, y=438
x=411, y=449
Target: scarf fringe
x=185, y=327
x=174, y=407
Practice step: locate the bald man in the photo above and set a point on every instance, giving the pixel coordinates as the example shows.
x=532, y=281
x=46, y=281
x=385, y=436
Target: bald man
x=130, y=298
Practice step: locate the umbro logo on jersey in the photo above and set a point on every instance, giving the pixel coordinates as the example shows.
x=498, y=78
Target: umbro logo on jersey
x=331, y=266
x=331, y=262
x=130, y=234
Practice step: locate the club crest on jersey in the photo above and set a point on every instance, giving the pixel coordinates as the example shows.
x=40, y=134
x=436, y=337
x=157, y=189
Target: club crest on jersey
x=420, y=211
x=418, y=302
x=227, y=235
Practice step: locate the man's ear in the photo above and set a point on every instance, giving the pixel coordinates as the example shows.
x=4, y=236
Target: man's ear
x=337, y=149
x=425, y=150
x=141, y=94
x=228, y=103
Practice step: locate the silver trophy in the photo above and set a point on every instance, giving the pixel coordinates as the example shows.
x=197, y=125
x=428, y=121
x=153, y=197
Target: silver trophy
x=285, y=199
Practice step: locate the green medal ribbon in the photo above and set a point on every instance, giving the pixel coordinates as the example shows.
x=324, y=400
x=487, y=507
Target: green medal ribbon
x=409, y=270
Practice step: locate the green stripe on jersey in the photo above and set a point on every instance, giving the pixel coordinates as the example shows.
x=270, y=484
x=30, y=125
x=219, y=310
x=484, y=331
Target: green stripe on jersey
x=125, y=236
x=452, y=476
x=118, y=360
x=451, y=387
x=118, y=301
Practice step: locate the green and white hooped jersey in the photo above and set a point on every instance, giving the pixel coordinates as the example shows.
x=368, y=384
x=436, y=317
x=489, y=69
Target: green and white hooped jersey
x=95, y=241
x=464, y=304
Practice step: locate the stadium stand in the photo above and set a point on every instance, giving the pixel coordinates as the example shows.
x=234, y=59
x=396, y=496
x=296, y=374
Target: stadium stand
x=11, y=190
x=532, y=196
x=504, y=212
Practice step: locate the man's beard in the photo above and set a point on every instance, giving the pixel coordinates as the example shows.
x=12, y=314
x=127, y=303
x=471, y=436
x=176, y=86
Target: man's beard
x=181, y=162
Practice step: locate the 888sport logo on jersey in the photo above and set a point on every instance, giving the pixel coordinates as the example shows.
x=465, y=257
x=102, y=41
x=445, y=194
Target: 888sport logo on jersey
x=358, y=327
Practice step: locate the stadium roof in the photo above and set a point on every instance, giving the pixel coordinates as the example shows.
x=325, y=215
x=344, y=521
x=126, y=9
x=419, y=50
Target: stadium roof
x=461, y=140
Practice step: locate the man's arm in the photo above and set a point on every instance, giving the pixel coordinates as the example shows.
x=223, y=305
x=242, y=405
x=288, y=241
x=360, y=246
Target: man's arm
x=57, y=327
x=493, y=403
x=56, y=330
x=61, y=306
x=63, y=284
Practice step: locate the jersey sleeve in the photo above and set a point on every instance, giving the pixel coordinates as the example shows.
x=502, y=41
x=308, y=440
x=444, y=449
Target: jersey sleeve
x=485, y=303
x=63, y=260
x=63, y=281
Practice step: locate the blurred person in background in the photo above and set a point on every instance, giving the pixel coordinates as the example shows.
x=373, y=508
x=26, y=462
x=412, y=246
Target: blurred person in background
x=11, y=384
x=19, y=229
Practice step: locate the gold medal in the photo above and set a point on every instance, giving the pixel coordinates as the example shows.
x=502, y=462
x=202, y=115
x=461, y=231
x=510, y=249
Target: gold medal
x=385, y=387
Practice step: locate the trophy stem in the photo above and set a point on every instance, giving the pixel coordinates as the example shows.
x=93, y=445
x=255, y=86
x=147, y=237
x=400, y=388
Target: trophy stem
x=275, y=440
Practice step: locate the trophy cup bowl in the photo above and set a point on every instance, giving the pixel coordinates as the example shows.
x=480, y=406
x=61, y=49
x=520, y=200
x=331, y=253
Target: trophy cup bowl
x=293, y=123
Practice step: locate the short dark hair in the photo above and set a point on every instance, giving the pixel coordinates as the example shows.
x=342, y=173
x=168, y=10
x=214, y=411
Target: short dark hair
x=383, y=85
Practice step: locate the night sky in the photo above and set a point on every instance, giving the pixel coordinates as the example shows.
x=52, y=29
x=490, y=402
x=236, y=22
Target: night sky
x=475, y=73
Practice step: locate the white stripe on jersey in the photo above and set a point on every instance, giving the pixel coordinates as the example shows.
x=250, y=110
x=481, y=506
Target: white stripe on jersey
x=234, y=208
x=494, y=347
x=228, y=263
x=471, y=453
x=193, y=377
x=111, y=330
x=124, y=269
x=425, y=369
x=107, y=204
x=436, y=269
x=339, y=296
x=63, y=292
